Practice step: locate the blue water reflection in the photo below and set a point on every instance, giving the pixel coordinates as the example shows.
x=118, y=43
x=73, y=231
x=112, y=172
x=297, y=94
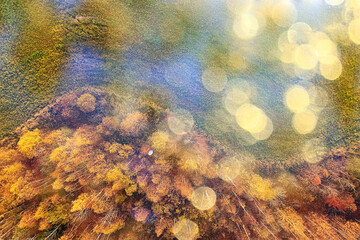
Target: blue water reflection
x=85, y=67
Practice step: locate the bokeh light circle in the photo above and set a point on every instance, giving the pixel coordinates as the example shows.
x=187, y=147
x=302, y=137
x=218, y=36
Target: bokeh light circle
x=354, y=31
x=251, y=118
x=305, y=56
x=331, y=70
x=304, y=122
x=180, y=121
x=203, y=198
x=228, y=168
x=299, y=33
x=266, y=133
x=297, y=99
x=334, y=2
x=314, y=150
x=214, y=79
x=185, y=229
x=246, y=26
x=284, y=13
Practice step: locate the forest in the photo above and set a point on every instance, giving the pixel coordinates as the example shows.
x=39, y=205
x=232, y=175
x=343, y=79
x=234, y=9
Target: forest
x=92, y=166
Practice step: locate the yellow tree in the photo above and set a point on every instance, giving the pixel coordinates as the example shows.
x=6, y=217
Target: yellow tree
x=28, y=143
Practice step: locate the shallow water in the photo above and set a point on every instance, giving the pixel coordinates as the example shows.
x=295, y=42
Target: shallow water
x=234, y=119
